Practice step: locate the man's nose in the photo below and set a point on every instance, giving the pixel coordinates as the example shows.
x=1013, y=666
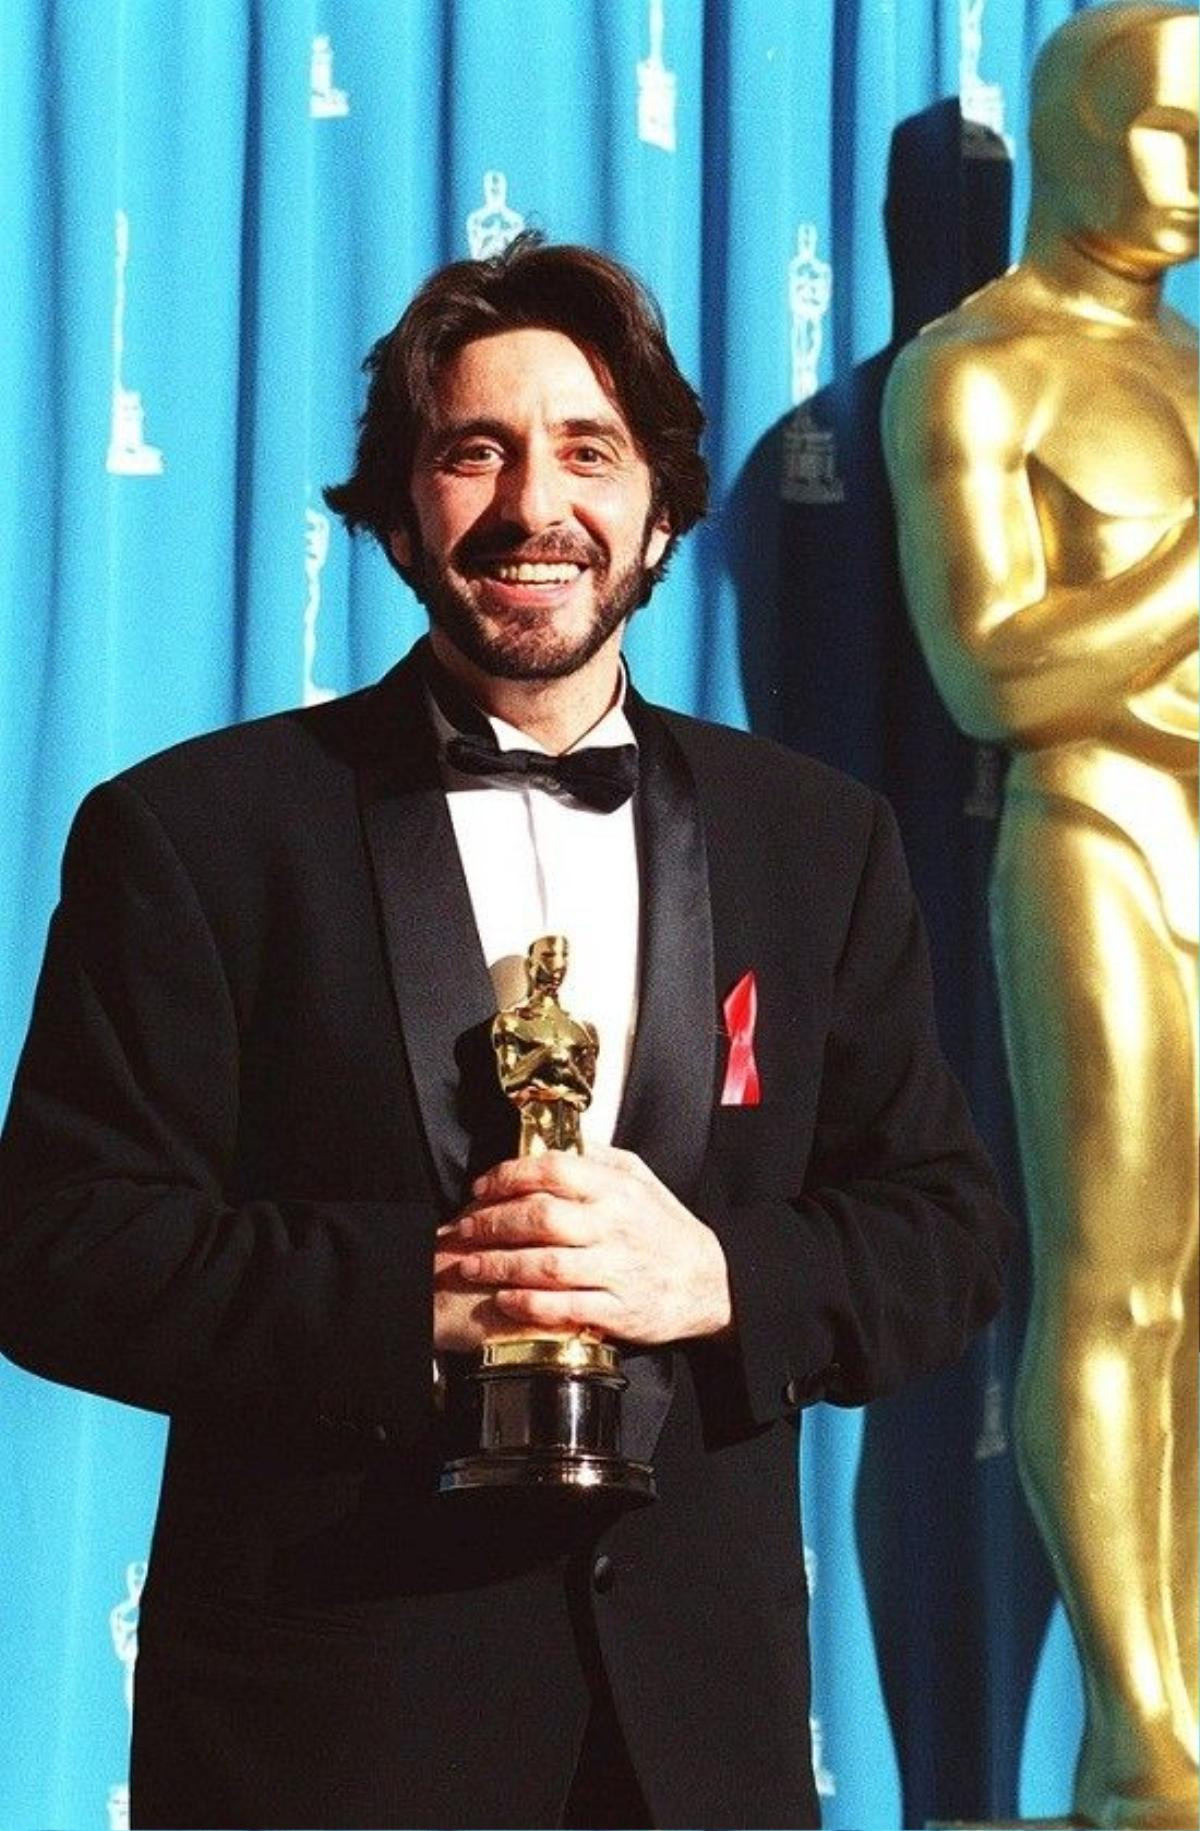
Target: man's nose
x=532, y=493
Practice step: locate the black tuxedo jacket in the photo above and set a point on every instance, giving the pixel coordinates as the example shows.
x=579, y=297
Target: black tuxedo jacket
x=257, y=1079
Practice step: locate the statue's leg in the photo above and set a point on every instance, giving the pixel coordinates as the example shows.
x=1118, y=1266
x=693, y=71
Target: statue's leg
x=1186, y=1472
x=1100, y=1049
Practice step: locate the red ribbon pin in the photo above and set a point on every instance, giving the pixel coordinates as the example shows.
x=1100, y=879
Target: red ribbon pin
x=741, y=1072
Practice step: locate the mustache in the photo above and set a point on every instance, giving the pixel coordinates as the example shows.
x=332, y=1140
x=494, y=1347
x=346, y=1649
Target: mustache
x=516, y=549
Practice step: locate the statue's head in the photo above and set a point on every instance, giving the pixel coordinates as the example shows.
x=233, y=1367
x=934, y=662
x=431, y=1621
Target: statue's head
x=546, y=962
x=1114, y=132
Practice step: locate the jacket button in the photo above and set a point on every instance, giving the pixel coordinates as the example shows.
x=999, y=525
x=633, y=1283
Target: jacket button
x=603, y=1574
x=793, y=1393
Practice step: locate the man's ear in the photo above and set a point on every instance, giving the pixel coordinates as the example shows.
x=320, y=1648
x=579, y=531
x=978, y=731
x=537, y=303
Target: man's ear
x=400, y=547
x=656, y=545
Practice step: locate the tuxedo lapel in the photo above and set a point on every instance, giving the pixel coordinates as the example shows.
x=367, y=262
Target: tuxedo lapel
x=442, y=987
x=667, y=1107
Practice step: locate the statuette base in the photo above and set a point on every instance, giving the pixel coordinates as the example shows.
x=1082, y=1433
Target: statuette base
x=550, y=1418
x=581, y=1473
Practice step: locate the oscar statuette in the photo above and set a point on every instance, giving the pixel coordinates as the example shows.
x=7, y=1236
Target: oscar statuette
x=550, y=1404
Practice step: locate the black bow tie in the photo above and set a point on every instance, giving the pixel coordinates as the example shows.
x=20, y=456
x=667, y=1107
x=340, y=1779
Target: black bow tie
x=602, y=777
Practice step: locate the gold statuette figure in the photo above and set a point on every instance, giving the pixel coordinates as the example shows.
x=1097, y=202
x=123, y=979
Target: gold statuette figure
x=550, y=1405
x=546, y=1059
x=1041, y=442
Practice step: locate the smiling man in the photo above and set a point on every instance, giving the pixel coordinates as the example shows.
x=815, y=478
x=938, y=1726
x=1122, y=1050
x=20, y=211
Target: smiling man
x=258, y=1172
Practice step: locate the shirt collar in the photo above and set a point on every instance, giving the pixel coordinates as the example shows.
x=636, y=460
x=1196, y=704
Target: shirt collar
x=613, y=728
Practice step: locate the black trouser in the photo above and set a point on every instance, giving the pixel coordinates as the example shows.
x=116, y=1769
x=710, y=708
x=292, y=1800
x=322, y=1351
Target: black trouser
x=604, y=1795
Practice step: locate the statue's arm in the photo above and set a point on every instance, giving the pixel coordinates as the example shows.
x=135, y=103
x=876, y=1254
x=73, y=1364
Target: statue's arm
x=519, y=1056
x=1014, y=654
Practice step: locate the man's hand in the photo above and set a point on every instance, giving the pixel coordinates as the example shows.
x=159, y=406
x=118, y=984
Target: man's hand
x=566, y=1242
x=464, y=1316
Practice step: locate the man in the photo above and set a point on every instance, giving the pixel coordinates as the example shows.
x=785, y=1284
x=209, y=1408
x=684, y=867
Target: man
x=259, y=1107
x=1042, y=443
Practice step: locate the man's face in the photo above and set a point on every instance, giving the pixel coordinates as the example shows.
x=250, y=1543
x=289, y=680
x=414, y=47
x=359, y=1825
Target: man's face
x=531, y=501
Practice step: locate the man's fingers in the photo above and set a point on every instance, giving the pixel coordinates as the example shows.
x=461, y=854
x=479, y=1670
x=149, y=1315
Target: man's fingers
x=525, y=1221
x=597, y=1310
x=562, y=1173
x=600, y=1173
x=535, y=1268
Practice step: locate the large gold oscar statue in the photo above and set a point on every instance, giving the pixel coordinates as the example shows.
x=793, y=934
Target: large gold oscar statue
x=1041, y=442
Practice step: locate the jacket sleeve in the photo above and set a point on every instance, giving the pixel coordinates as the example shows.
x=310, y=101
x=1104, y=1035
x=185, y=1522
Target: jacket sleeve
x=891, y=1256
x=123, y=1267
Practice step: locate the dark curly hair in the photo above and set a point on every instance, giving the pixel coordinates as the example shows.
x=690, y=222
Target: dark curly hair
x=592, y=300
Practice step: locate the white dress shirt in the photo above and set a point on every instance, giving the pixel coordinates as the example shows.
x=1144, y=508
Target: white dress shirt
x=539, y=863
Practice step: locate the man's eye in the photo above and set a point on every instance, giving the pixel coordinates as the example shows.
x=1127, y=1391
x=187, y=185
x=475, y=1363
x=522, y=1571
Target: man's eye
x=590, y=457
x=479, y=455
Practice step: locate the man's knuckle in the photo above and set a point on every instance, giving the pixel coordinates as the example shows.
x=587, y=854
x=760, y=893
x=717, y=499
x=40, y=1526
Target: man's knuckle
x=542, y=1208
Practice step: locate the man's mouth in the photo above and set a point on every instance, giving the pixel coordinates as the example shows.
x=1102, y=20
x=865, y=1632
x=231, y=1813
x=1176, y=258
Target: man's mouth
x=534, y=572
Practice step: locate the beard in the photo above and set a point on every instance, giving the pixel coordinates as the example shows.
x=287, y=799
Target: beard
x=525, y=644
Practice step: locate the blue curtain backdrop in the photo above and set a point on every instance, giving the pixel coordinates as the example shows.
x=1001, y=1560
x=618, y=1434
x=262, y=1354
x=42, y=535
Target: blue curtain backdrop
x=209, y=209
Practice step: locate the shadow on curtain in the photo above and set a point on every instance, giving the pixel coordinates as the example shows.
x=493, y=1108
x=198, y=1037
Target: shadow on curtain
x=958, y=1586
